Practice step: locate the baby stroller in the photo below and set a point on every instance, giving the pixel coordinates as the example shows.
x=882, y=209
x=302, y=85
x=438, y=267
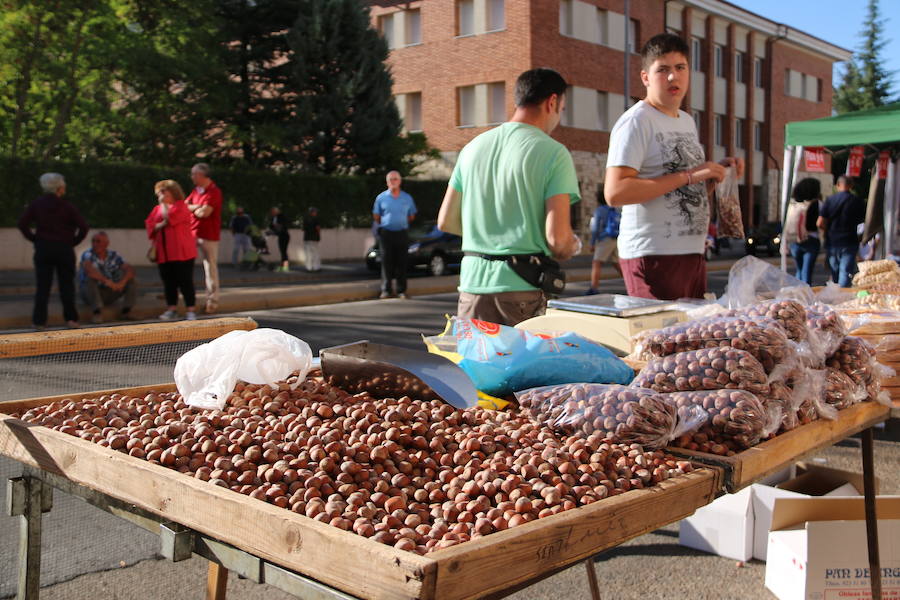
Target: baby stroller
x=253, y=258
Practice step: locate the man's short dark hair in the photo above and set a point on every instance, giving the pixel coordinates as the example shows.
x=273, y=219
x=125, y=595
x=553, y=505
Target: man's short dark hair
x=660, y=45
x=536, y=85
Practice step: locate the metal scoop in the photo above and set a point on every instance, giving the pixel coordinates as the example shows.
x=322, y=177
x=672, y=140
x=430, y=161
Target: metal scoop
x=392, y=372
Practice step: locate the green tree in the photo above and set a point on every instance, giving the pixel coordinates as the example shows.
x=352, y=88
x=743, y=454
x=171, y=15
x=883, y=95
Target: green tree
x=345, y=119
x=866, y=83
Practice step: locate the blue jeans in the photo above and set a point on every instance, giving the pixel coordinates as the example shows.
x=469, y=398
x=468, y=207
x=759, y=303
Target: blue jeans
x=842, y=260
x=805, y=254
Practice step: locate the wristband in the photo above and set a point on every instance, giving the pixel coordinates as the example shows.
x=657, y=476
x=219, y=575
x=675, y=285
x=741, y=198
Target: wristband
x=690, y=178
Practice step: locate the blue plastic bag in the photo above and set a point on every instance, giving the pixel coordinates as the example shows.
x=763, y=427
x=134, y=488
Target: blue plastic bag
x=501, y=360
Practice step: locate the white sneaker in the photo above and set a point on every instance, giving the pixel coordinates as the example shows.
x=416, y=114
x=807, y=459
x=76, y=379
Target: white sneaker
x=169, y=315
x=191, y=316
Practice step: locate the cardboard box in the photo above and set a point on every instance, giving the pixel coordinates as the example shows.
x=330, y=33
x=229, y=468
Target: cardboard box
x=813, y=480
x=818, y=549
x=737, y=525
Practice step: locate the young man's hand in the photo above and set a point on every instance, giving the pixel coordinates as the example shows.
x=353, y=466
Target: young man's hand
x=736, y=162
x=707, y=171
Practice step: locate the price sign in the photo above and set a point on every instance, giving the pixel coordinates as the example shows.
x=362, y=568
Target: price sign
x=884, y=158
x=854, y=164
x=815, y=159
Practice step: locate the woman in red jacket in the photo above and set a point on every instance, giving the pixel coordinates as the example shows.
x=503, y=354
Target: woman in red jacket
x=169, y=226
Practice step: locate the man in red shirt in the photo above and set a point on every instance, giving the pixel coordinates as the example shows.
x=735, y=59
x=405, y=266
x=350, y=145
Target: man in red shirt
x=205, y=204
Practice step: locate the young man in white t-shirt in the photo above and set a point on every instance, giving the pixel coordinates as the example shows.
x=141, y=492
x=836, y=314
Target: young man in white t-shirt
x=657, y=172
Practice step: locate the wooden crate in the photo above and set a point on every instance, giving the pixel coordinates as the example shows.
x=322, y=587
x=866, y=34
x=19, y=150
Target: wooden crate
x=341, y=559
x=775, y=454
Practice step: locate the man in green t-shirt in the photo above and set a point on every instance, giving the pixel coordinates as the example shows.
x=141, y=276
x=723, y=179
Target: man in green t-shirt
x=509, y=196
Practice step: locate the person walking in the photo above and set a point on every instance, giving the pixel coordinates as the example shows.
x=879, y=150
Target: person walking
x=279, y=225
x=509, y=198
x=104, y=277
x=604, y=231
x=800, y=231
x=657, y=172
x=205, y=206
x=169, y=227
x=312, y=234
x=239, y=225
x=58, y=228
x=839, y=216
x=392, y=212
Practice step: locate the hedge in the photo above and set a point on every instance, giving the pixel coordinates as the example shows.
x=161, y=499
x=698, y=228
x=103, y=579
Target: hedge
x=120, y=195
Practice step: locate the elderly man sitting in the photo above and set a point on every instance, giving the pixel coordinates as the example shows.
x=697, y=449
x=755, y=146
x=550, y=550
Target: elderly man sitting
x=104, y=277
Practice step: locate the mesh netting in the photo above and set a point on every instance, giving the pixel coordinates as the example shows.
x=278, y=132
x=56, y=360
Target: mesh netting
x=78, y=538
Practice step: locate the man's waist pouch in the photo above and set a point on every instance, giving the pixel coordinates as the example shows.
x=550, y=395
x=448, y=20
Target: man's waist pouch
x=538, y=270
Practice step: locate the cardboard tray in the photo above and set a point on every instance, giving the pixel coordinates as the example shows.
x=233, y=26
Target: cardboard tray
x=771, y=456
x=344, y=560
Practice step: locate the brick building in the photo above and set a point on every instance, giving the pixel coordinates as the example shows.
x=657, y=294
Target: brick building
x=455, y=63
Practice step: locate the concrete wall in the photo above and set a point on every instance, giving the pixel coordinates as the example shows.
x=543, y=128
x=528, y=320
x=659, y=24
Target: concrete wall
x=132, y=244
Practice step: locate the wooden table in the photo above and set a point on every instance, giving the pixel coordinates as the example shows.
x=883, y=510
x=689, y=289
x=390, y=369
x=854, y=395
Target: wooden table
x=273, y=545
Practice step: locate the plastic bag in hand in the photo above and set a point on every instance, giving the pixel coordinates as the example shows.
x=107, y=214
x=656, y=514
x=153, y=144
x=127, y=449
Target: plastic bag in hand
x=206, y=375
x=728, y=206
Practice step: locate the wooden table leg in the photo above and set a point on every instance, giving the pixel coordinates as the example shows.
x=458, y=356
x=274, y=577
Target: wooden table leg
x=592, y=578
x=216, y=582
x=868, y=460
x=29, y=582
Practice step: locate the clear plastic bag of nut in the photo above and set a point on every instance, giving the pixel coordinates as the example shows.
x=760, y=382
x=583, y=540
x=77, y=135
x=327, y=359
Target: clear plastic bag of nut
x=762, y=337
x=728, y=206
x=856, y=358
x=618, y=413
x=705, y=369
x=826, y=326
x=735, y=420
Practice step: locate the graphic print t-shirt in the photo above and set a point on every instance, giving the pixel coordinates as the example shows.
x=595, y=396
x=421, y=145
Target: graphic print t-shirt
x=656, y=144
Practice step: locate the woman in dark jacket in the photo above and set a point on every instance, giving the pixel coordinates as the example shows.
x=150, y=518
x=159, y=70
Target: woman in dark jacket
x=279, y=225
x=58, y=228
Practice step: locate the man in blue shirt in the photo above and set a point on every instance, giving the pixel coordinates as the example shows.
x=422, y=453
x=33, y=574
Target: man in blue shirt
x=393, y=211
x=839, y=216
x=604, y=231
x=104, y=277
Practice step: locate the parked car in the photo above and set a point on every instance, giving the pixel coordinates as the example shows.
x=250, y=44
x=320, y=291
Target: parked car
x=429, y=247
x=766, y=237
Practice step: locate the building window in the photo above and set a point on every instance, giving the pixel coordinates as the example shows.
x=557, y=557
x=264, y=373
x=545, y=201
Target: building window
x=696, y=55
x=496, y=102
x=757, y=137
x=719, y=130
x=738, y=133
x=565, y=17
x=698, y=122
x=719, y=60
x=739, y=67
x=787, y=82
x=758, y=72
x=413, y=26
x=602, y=27
x=386, y=27
x=413, y=118
x=818, y=90
x=567, y=119
x=603, y=111
x=633, y=36
x=466, y=106
x=465, y=17
x=496, y=17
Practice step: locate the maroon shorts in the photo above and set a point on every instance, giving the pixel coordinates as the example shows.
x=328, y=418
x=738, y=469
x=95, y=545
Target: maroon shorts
x=665, y=277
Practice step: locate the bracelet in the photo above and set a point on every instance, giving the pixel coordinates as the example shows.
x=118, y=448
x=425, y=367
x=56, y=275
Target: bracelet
x=690, y=178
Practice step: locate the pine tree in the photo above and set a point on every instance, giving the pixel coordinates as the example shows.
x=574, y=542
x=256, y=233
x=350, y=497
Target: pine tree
x=866, y=83
x=346, y=120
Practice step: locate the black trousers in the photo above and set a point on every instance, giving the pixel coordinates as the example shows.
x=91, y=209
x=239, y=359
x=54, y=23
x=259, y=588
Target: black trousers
x=283, y=241
x=178, y=275
x=50, y=257
x=394, y=253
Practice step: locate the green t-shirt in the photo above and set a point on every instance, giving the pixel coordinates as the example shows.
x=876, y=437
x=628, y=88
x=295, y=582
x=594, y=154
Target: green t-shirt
x=505, y=177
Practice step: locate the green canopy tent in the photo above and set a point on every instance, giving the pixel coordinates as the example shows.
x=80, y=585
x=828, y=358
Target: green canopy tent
x=876, y=128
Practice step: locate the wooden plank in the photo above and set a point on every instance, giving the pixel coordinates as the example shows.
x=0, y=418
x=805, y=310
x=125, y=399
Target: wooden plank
x=10, y=406
x=216, y=582
x=771, y=456
x=122, y=336
x=501, y=560
x=335, y=557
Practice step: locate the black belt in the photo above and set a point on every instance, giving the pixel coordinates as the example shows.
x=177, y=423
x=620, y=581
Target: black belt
x=538, y=270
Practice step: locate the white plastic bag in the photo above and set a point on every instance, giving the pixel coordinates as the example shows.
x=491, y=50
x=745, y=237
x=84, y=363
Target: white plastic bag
x=206, y=375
